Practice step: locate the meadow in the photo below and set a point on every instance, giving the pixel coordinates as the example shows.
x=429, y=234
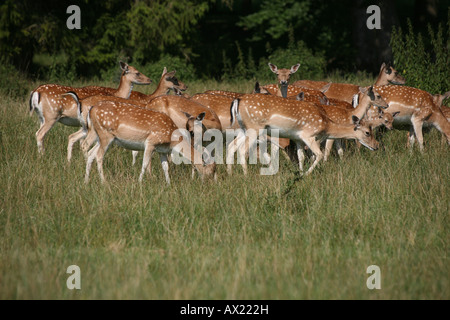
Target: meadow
x=254, y=237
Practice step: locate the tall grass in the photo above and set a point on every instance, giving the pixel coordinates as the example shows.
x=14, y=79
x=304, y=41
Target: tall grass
x=251, y=237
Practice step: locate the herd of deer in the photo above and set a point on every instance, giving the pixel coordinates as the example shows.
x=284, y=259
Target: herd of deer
x=305, y=113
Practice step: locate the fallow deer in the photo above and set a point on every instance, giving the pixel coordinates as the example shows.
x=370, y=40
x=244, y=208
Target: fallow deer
x=346, y=92
x=301, y=122
x=438, y=101
x=51, y=107
x=284, y=76
x=167, y=82
x=369, y=109
x=415, y=107
x=176, y=107
x=136, y=128
x=311, y=95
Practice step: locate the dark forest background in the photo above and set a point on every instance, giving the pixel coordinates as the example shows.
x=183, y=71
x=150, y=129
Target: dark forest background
x=220, y=39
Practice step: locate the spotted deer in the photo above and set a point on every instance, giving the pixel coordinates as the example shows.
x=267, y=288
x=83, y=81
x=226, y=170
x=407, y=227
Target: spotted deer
x=311, y=95
x=369, y=109
x=415, y=108
x=176, y=107
x=283, y=76
x=301, y=122
x=346, y=91
x=438, y=101
x=167, y=82
x=135, y=128
x=229, y=94
x=52, y=107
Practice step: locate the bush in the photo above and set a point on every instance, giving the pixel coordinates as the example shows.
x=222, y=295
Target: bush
x=12, y=82
x=185, y=71
x=424, y=62
x=312, y=64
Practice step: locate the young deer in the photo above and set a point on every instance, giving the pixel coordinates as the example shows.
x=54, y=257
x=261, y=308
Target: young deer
x=439, y=102
x=369, y=110
x=135, y=128
x=167, y=82
x=415, y=107
x=311, y=95
x=176, y=107
x=51, y=107
x=345, y=91
x=284, y=76
x=220, y=104
x=302, y=122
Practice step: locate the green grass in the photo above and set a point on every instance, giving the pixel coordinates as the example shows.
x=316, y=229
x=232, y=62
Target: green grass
x=252, y=237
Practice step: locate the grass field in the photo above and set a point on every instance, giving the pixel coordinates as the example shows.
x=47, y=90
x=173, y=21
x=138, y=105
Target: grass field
x=252, y=237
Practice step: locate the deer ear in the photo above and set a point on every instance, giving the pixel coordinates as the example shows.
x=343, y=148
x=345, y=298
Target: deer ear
x=446, y=95
x=301, y=96
x=273, y=67
x=356, y=121
x=326, y=88
x=187, y=115
x=201, y=116
x=164, y=71
x=371, y=93
x=123, y=66
x=362, y=90
x=257, y=87
x=294, y=69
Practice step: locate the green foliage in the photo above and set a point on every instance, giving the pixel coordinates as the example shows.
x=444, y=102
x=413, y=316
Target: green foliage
x=423, y=62
x=156, y=25
x=312, y=64
x=185, y=71
x=276, y=17
x=12, y=83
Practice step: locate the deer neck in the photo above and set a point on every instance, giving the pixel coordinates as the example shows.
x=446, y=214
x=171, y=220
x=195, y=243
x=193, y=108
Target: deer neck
x=160, y=90
x=361, y=110
x=125, y=88
x=381, y=80
x=340, y=131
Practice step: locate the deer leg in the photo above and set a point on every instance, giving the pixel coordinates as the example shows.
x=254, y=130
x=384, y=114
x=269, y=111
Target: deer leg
x=300, y=155
x=315, y=148
x=90, y=158
x=328, y=147
x=43, y=130
x=411, y=138
x=340, y=148
x=165, y=166
x=134, y=154
x=442, y=124
x=418, y=125
x=104, y=143
x=88, y=141
x=232, y=148
x=73, y=138
x=252, y=139
x=147, y=161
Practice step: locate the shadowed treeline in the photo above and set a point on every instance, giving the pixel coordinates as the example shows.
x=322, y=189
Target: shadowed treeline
x=213, y=35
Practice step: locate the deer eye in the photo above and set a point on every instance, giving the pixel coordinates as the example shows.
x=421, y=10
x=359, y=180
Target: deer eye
x=367, y=134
